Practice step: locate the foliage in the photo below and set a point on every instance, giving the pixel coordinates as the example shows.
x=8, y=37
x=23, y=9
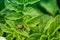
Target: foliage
x=40, y=19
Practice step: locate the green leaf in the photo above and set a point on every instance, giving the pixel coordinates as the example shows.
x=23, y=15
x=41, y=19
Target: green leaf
x=44, y=21
x=32, y=12
x=24, y=33
x=2, y=6
x=33, y=36
x=10, y=23
x=27, y=28
x=24, y=1
x=13, y=6
x=32, y=15
x=34, y=21
x=55, y=39
x=6, y=28
x=17, y=37
x=1, y=32
x=43, y=37
x=55, y=34
x=9, y=37
x=26, y=17
x=40, y=19
x=13, y=15
x=4, y=11
x=54, y=24
x=50, y=6
x=34, y=29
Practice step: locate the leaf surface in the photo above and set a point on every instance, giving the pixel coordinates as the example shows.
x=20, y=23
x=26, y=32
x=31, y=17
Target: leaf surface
x=50, y=6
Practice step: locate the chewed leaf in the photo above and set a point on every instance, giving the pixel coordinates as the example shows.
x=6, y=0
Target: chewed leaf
x=25, y=1
x=50, y=6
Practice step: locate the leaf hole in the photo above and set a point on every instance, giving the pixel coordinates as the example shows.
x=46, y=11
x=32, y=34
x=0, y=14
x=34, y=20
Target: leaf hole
x=37, y=25
x=8, y=25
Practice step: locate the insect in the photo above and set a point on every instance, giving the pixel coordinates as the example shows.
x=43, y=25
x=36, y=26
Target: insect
x=20, y=26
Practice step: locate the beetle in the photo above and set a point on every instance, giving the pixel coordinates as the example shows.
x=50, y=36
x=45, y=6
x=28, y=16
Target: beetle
x=20, y=26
